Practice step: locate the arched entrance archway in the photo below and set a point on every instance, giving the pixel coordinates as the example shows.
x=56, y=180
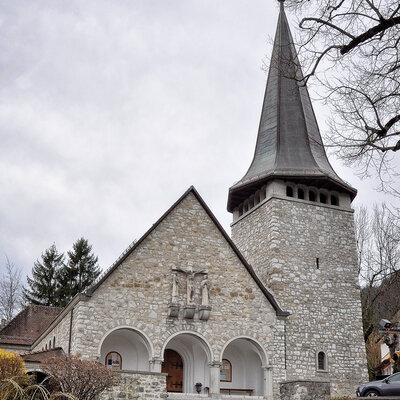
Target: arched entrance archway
x=242, y=363
x=195, y=354
x=127, y=349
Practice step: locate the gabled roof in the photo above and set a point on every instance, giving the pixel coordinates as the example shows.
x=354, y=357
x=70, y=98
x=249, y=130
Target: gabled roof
x=249, y=268
x=289, y=144
x=39, y=356
x=29, y=324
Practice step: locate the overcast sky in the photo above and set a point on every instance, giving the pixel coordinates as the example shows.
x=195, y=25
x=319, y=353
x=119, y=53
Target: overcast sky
x=110, y=110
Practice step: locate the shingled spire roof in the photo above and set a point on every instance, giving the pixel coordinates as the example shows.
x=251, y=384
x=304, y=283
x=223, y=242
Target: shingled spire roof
x=289, y=144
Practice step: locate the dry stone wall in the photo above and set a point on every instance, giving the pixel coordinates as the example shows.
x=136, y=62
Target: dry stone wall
x=306, y=254
x=138, y=386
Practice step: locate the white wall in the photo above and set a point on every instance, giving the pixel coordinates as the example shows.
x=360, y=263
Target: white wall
x=246, y=367
x=130, y=346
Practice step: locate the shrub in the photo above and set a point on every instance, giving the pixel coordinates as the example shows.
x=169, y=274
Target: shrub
x=10, y=389
x=11, y=365
x=86, y=380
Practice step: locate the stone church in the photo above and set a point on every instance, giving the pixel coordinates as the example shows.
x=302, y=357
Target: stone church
x=272, y=312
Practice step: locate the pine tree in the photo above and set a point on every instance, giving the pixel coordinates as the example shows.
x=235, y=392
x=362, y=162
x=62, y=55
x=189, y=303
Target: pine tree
x=43, y=286
x=80, y=271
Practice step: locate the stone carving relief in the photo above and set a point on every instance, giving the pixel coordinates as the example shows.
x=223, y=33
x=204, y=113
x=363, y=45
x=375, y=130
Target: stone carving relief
x=197, y=291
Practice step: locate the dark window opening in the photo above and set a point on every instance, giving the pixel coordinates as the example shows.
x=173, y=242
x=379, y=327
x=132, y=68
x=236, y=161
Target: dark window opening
x=322, y=198
x=300, y=194
x=289, y=191
x=321, y=361
x=311, y=196
x=317, y=262
x=334, y=201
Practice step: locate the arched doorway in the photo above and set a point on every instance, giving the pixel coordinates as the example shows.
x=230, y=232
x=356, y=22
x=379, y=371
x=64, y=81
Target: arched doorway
x=242, y=365
x=173, y=366
x=192, y=355
x=126, y=349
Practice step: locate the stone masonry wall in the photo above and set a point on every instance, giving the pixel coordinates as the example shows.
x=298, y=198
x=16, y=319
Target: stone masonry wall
x=60, y=332
x=138, y=292
x=282, y=239
x=305, y=390
x=145, y=385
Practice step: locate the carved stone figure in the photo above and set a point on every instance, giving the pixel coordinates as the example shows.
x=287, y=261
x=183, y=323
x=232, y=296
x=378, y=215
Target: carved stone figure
x=189, y=288
x=175, y=284
x=205, y=286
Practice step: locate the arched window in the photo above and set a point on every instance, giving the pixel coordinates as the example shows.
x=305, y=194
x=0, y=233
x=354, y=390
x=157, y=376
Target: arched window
x=321, y=361
x=226, y=371
x=289, y=191
x=334, y=200
x=50, y=344
x=300, y=194
x=114, y=360
x=54, y=342
x=322, y=198
x=311, y=195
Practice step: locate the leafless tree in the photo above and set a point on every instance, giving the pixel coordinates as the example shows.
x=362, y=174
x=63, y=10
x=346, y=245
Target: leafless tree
x=378, y=245
x=10, y=291
x=351, y=49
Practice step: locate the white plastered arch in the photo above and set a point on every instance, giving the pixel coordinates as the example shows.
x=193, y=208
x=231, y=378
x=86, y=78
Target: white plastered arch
x=260, y=349
x=146, y=340
x=206, y=346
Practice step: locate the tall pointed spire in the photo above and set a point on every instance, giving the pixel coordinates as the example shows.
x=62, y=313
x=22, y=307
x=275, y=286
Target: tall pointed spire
x=289, y=144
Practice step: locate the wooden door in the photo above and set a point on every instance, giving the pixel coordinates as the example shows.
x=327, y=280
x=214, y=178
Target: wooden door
x=173, y=366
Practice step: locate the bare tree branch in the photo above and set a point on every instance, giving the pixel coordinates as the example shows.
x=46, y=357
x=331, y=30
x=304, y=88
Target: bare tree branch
x=10, y=291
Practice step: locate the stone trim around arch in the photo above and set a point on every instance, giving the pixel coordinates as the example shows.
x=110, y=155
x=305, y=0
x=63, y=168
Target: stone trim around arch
x=207, y=347
x=262, y=352
x=148, y=343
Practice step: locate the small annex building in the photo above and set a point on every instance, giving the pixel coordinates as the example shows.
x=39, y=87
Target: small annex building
x=272, y=312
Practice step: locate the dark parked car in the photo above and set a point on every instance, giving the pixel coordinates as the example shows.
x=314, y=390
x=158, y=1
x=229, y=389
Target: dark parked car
x=386, y=387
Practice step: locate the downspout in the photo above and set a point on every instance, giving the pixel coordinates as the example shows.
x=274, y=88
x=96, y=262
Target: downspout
x=284, y=337
x=70, y=331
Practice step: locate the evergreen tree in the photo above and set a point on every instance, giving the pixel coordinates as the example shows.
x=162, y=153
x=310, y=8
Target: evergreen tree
x=80, y=271
x=43, y=286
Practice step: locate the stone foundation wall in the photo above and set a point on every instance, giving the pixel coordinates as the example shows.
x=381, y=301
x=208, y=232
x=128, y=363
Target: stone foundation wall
x=305, y=390
x=134, y=385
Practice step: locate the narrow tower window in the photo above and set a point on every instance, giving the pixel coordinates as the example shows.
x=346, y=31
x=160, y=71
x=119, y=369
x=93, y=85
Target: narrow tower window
x=322, y=198
x=300, y=194
x=317, y=262
x=311, y=195
x=289, y=191
x=321, y=361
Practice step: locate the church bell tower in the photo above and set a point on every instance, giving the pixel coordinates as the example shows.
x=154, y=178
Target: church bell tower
x=293, y=221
